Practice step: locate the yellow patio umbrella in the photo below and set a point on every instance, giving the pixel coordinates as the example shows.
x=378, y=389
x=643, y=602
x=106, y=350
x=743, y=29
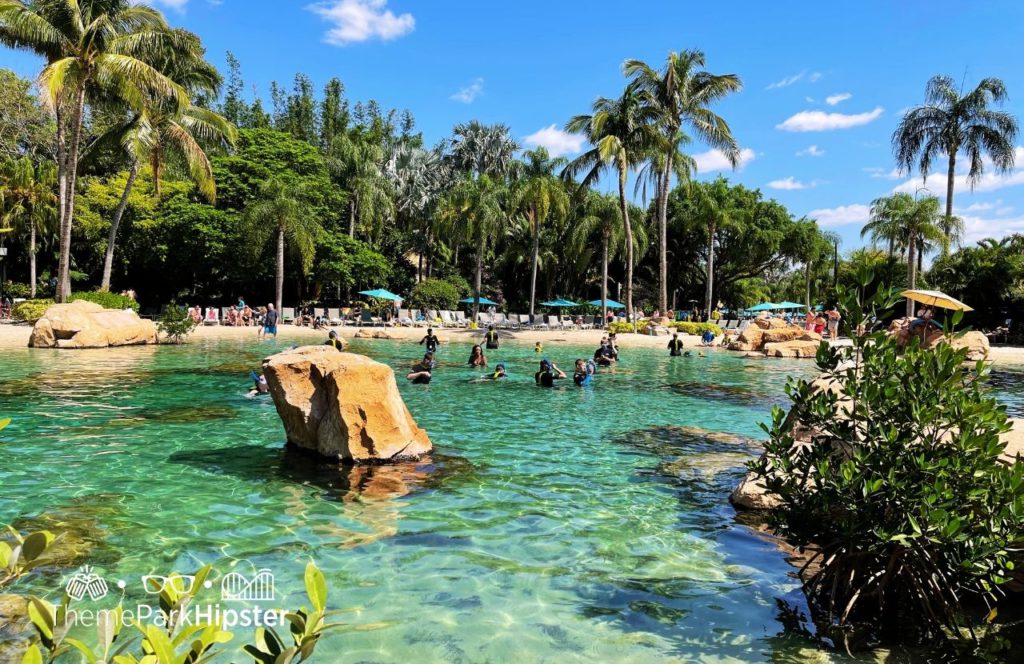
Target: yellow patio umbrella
x=934, y=298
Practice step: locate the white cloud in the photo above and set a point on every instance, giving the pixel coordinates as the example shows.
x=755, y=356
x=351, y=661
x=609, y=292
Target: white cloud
x=715, y=160
x=815, y=77
x=821, y=121
x=360, y=20
x=811, y=151
x=556, y=141
x=832, y=100
x=936, y=184
x=979, y=228
x=791, y=184
x=844, y=215
x=786, y=82
x=469, y=93
x=878, y=172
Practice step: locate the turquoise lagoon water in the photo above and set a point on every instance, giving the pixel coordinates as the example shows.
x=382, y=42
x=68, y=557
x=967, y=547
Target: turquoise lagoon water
x=550, y=526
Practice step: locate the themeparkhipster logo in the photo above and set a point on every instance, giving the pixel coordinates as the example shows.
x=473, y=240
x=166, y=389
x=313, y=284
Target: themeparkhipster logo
x=239, y=604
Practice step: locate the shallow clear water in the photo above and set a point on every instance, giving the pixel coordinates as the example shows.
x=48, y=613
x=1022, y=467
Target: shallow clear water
x=551, y=525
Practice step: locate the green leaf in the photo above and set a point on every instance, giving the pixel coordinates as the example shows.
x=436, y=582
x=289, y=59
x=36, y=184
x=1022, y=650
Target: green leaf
x=32, y=656
x=35, y=544
x=83, y=649
x=5, y=554
x=4, y=423
x=316, y=587
x=41, y=613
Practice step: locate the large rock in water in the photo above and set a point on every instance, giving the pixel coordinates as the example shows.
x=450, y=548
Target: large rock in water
x=343, y=406
x=82, y=324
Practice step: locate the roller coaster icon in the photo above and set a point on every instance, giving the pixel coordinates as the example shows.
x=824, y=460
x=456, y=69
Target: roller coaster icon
x=260, y=588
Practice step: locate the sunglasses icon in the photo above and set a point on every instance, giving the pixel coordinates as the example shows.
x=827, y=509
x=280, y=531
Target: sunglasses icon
x=180, y=583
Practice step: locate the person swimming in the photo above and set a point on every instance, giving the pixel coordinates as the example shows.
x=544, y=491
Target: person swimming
x=548, y=374
x=477, y=357
x=538, y=348
x=675, y=346
x=430, y=340
x=334, y=342
x=499, y=372
x=583, y=372
x=422, y=371
x=259, y=385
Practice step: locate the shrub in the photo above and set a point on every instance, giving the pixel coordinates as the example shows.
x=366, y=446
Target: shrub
x=107, y=300
x=175, y=323
x=30, y=310
x=434, y=294
x=900, y=488
x=623, y=327
x=697, y=329
x=14, y=289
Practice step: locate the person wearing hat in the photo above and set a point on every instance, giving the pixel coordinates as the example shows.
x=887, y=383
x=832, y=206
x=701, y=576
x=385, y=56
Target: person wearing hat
x=548, y=374
x=334, y=342
x=499, y=372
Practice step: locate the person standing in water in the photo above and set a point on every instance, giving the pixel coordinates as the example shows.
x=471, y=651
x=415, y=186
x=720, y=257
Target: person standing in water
x=548, y=374
x=422, y=371
x=477, y=357
x=334, y=342
x=675, y=346
x=270, y=321
x=491, y=338
x=430, y=340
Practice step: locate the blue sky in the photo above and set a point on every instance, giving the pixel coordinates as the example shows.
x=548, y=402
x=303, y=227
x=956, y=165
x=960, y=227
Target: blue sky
x=824, y=83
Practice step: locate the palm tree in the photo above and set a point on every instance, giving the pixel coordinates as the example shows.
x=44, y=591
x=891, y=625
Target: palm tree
x=714, y=207
x=161, y=129
x=682, y=94
x=540, y=195
x=621, y=132
x=29, y=203
x=418, y=178
x=814, y=247
x=949, y=123
x=281, y=211
x=86, y=43
x=358, y=162
x=474, y=210
x=600, y=213
x=484, y=149
x=905, y=223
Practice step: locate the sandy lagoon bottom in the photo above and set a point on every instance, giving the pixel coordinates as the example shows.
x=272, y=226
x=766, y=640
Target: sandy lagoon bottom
x=551, y=525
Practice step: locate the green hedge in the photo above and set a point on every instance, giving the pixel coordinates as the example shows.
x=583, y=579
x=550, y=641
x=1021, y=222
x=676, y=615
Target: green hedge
x=30, y=310
x=434, y=294
x=685, y=327
x=107, y=300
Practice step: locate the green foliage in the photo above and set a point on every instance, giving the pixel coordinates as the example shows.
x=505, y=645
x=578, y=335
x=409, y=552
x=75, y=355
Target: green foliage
x=901, y=485
x=30, y=310
x=436, y=294
x=15, y=289
x=175, y=323
x=990, y=277
x=107, y=300
x=19, y=554
x=307, y=626
x=697, y=329
x=348, y=264
x=27, y=128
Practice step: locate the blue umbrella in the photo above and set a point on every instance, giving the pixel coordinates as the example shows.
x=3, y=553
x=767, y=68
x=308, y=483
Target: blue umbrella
x=483, y=300
x=612, y=304
x=789, y=305
x=382, y=294
x=560, y=302
x=764, y=306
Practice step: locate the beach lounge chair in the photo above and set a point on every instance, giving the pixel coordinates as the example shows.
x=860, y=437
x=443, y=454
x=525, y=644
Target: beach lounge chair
x=460, y=318
x=287, y=314
x=512, y=321
x=483, y=320
x=744, y=324
x=588, y=322
x=367, y=318
x=537, y=322
x=334, y=317
x=524, y=321
x=554, y=322
x=499, y=320
x=212, y=316
x=732, y=325
x=447, y=318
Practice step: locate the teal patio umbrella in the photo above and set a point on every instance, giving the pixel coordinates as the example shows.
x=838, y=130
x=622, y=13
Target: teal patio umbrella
x=560, y=302
x=382, y=294
x=612, y=304
x=483, y=300
x=790, y=305
x=764, y=306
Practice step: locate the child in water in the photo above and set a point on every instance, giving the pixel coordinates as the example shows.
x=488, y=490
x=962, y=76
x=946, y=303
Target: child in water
x=259, y=385
x=538, y=348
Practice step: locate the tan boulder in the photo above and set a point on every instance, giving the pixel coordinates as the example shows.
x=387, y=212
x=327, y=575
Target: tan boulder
x=1014, y=440
x=795, y=348
x=975, y=342
x=343, y=406
x=753, y=336
x=374, y=334
x=751, y=494
x=82, y=324
x=770, y=323
x=777, y=334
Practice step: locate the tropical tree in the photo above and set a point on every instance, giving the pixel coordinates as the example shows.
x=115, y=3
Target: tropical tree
x=682, y=94
x=160, y=128
x=418, y=178
x=357, y=162
x=28, y=203
x=281, y=211
x=622, y=133
x=813, y=247
x=475, y=210
x=950, y=123
x=714, y=205
x=484, y=149
x=905, y=223
x=539, y=195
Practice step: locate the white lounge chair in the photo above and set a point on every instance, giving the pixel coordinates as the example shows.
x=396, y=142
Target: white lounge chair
x=212, y=316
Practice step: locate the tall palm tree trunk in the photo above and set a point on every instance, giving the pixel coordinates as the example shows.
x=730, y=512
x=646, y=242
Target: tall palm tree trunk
x=533, y=262
x=62, y=169
x=629, y=239
x=950, y=179
x=479, y=273
x=115, y=222
x=663, y=237
x=158, y=167
x=279, y=277
x=709, y=278
x=32, y=258
x=352, y=217
x=911, y=270
x=64, y=265
x=604, y=277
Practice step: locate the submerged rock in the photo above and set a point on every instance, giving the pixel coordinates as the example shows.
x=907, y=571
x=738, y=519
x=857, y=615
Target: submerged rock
x=16, y=630
x=343, y=406
x=82, y=324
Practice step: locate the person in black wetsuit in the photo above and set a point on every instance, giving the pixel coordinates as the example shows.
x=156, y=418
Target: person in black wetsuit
x=675, y=346
x=430, y=340
x=422, y=371
x=491, y=338
x=548, y=374
x=334, y=342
